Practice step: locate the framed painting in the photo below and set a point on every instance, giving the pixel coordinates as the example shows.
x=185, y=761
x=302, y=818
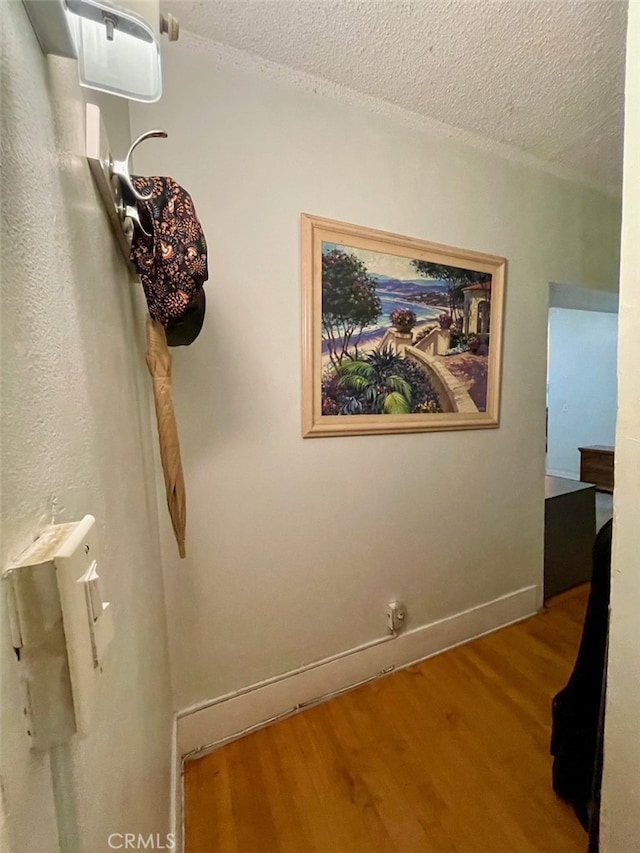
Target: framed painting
x=399, y=335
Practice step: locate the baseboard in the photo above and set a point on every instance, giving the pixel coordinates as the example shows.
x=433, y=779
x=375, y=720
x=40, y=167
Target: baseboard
x=565, y=475
x=225, y=718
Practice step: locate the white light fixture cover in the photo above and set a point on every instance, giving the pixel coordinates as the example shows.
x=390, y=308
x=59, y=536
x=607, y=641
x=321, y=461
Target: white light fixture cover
x=118, y=51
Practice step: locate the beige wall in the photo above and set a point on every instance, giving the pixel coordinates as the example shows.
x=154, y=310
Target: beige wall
x=621, y=782
x=295, y=546
x=76, y=440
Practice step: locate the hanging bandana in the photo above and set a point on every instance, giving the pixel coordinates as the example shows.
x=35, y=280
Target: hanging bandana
x=172, y=262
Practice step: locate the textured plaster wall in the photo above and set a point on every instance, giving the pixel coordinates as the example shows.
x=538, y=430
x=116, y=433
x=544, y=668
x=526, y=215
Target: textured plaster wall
x=295, y=546
x=76, y=440
x=621, y=782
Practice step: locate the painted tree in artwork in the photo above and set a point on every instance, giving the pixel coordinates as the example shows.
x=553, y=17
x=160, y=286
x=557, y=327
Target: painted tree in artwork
x=349, y=302
x=457, y=279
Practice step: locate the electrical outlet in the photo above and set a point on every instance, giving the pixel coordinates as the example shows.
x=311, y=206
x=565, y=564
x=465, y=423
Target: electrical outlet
x=396, y=614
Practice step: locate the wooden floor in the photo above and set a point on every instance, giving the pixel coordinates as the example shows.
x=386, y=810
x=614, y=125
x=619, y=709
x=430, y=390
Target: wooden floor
x=449, y=755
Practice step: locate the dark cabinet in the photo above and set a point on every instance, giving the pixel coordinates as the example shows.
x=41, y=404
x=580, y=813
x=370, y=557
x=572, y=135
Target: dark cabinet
x=569, y=531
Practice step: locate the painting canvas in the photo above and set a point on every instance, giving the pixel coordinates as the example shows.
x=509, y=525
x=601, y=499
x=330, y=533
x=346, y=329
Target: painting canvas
x=400, y=335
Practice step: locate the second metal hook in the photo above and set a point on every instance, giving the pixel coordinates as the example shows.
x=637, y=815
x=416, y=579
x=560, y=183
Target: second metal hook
x=121, y=167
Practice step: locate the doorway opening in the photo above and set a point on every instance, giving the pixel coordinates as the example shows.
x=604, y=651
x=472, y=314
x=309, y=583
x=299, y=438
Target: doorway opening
x=581, y=419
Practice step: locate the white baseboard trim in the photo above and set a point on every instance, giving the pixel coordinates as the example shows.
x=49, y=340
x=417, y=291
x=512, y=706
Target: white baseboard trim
x=208, y=725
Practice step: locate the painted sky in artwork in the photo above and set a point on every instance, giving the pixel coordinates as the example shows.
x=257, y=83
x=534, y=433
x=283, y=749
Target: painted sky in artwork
x=381, y=263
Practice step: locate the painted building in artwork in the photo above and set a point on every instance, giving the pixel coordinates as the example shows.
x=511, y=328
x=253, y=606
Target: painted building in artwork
x=477, y=309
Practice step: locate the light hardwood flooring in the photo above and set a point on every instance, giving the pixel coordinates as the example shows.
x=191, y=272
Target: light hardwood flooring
x=451, y=754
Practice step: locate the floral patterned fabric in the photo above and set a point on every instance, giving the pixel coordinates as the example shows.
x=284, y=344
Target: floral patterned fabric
x=172, y=263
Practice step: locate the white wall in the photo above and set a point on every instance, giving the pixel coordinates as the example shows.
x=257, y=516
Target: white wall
x=75, y=440
x=295, y=546
x=583, y=387
x=621, y=782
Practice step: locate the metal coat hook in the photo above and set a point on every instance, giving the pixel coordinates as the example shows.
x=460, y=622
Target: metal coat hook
x=113, y=178
x=121, y=167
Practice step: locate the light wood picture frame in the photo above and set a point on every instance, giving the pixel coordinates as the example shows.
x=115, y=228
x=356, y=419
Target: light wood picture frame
x=399, y=334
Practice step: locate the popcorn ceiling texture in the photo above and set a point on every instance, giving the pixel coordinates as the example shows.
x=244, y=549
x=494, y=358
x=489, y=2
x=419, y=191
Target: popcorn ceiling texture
x=541, y=77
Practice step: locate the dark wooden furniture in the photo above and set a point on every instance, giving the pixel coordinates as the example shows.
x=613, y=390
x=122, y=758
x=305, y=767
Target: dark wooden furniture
x=578, y=709
x=569, y=532
x=596, y=466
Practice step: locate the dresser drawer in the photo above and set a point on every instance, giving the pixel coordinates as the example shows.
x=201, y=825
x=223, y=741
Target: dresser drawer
x=596, y=466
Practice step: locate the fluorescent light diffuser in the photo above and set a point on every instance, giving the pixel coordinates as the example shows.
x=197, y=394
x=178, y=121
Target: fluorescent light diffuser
x=117, y=51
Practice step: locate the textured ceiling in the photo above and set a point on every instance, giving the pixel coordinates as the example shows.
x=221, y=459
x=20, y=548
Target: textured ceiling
x=543, y=76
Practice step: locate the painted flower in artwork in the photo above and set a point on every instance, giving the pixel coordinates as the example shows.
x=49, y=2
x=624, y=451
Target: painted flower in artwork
x=404, y=319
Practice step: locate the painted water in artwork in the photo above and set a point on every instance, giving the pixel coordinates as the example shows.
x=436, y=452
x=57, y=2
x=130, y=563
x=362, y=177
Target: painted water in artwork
x=402, y=335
